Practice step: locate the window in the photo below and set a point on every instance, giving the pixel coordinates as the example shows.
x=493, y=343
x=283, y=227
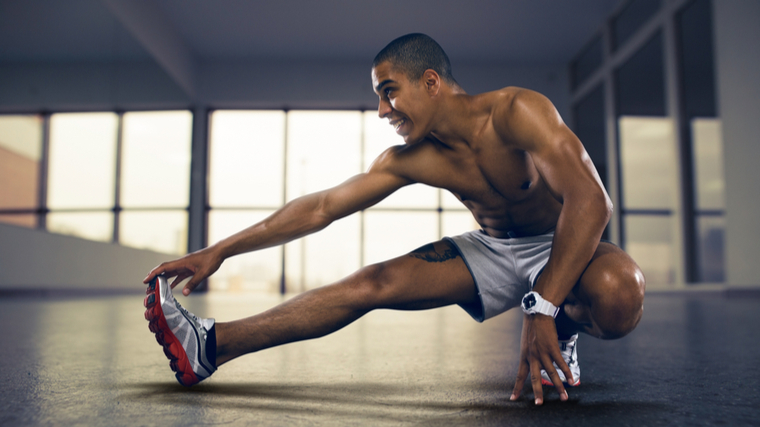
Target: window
x=671, y=213
x=703, y=141
x=649, y=189
x=109, y=177
x=82, y=174
x=20, y=156
x=155, y=180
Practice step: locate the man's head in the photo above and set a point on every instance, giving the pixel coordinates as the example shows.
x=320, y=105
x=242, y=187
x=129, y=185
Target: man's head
x=412, y=54
x=409, y=76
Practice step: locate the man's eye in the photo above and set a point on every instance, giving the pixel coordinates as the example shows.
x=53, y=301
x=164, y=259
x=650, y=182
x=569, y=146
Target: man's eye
x=388, y=91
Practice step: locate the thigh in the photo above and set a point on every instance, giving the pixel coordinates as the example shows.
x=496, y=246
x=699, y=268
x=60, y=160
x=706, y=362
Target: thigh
x=433, y=275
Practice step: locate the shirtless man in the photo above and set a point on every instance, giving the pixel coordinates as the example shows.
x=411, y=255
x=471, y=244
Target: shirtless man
x=510, y=159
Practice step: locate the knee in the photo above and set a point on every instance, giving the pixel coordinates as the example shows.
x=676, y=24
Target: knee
x=618, y=304
x=372, y=286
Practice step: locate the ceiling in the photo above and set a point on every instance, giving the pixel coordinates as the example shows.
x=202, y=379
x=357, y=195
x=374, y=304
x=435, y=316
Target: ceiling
x=495, y=31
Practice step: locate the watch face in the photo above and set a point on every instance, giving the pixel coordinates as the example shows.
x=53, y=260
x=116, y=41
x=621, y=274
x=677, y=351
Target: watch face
x=529, y=301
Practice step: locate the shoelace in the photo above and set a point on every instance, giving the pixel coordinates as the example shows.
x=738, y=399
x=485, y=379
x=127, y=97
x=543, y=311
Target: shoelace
x=195, y=318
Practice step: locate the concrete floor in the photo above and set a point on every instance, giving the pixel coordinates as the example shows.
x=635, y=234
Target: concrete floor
x=92, y=361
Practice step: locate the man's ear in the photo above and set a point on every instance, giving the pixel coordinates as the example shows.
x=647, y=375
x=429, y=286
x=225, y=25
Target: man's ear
x=432, y=82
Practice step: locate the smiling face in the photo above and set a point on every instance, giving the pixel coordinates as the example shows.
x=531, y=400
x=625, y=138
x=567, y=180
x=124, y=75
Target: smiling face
x=405, y=104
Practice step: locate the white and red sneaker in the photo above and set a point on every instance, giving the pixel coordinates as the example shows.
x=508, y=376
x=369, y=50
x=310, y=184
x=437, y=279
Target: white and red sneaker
x=184, y=336
x=570, y=355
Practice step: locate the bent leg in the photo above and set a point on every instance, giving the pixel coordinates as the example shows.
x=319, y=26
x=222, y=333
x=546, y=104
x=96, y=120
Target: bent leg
x=434, y=275
x=608, y=300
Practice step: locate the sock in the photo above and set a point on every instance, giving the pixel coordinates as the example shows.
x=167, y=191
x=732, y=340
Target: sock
x=562, y=319
x=211, y=345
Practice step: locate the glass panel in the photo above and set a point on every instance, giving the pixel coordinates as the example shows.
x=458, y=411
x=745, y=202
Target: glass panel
x=156, y=159
x=324, y=257
x=378, y=137
x=246, y=158
x=590, y=129
x=647, y=153
x=709, y=184
x=160, y=231
x=82, y=160
x=640, y=82
x=22, y=220
x=20, y=150
x=456, y=223
x=631, y=18
x=87, y=225
x=696, y=37
x=256, y=271
x=391, y=234
x=324, y=149
x=588, y=61
x=711, y=233
x=648, y=241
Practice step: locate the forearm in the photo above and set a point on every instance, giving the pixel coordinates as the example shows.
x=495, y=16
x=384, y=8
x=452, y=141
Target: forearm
x=297, y=218
x=576, y=238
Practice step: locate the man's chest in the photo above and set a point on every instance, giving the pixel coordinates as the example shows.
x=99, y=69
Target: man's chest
x=488, y=174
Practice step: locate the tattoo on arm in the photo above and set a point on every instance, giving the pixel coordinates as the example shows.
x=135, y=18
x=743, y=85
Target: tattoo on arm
x=430, y=254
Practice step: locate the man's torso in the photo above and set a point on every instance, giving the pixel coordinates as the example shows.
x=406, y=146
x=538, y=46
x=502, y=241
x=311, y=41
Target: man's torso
x=496, y=181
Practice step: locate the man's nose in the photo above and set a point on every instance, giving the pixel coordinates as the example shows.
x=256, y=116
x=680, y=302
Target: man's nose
x=384, y=108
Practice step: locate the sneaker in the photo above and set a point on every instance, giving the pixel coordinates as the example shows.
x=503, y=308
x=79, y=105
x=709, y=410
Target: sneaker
x=183, y=335
x=570, y=356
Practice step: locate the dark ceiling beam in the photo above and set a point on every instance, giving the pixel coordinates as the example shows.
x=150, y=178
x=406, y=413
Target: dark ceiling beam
x=148, y=24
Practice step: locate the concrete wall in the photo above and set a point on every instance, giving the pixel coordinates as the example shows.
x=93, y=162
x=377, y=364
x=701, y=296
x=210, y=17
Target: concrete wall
x=737, y=48
x=36, y=260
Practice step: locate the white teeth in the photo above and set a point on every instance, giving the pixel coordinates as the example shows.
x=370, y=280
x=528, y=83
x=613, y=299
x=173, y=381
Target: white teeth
x=398, y=124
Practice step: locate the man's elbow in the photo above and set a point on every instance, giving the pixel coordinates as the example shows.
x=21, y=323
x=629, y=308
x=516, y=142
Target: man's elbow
x=602, y=206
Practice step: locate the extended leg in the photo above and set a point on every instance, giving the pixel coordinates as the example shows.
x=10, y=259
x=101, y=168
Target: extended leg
x=608, y=300
x=432, y=276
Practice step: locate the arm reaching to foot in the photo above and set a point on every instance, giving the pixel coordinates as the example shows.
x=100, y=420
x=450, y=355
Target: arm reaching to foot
x=298, y=218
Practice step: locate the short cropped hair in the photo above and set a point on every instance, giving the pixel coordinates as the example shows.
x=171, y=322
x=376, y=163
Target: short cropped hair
x=415, y=53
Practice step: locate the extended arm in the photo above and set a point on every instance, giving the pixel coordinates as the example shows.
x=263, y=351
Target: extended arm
x=297, y=218
x=564, y=165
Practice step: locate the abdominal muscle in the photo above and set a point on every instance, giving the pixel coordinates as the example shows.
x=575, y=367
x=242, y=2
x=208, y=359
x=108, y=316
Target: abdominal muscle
x=536, y=212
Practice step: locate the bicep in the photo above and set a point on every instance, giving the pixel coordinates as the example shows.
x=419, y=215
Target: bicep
x=558, y=154
x=566, y=167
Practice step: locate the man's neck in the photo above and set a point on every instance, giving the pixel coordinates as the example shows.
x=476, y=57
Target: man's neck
x=456, y=119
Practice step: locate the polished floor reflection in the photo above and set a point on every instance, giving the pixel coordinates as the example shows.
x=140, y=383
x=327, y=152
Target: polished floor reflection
x=92, y=361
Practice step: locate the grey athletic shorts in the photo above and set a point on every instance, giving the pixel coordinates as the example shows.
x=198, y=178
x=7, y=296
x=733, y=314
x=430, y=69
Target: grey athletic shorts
x=504, y=270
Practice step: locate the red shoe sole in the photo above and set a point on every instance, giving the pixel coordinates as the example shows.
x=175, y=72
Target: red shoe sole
x=178, y=360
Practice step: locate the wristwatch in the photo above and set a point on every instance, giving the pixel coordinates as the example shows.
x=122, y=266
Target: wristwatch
x=533, y=303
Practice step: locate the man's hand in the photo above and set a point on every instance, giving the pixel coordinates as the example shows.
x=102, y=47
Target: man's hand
x=538, y=349
x=198, y=265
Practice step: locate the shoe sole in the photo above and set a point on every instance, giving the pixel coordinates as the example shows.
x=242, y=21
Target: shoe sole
x=178, y=360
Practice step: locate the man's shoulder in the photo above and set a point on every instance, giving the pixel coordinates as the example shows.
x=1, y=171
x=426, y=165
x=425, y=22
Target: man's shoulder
x=395, y=156
x=513, y=108
x=505, y=95
x=408, y=161
x=506, y=100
